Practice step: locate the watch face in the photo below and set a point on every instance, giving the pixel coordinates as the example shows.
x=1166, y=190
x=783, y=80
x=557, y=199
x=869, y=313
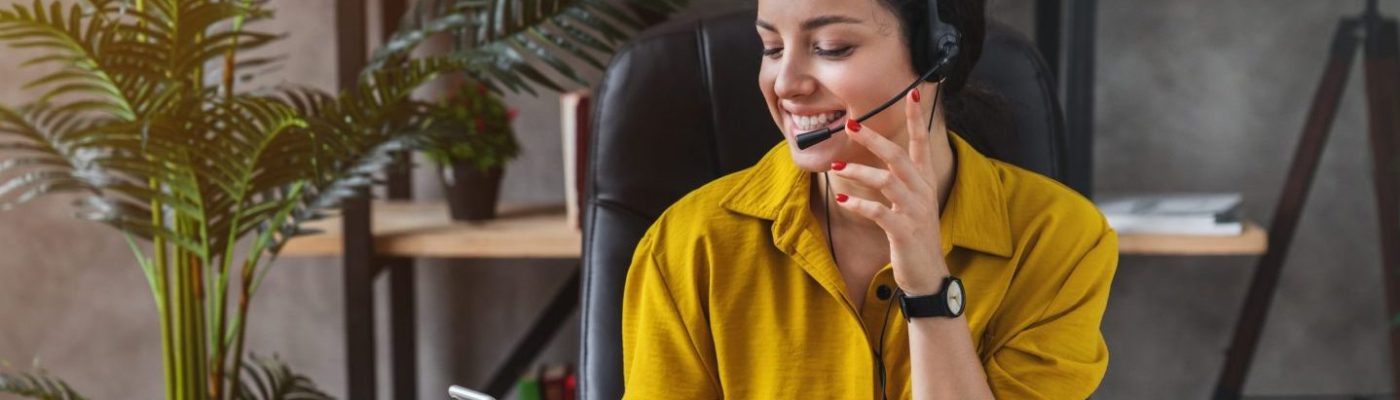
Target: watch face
x=955, y=297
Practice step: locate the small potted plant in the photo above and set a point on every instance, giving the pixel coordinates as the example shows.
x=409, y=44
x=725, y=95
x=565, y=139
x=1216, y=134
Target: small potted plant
x=476, y=126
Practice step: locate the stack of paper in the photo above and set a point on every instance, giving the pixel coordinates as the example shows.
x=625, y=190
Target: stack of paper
x=1207, y=214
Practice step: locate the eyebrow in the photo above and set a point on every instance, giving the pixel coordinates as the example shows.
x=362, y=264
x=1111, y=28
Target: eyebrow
x=813, y=23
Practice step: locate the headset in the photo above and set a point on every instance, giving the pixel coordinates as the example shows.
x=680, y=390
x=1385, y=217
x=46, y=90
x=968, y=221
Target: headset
x=934, y=33
x=937, y=34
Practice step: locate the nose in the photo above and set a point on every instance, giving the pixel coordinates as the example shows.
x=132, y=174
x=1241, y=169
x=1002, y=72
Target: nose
x=793, y=79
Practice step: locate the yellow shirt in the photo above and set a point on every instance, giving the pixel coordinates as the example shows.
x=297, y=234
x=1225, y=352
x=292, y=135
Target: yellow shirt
x=733, y=293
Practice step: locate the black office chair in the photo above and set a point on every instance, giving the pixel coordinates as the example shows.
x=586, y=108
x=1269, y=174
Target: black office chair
x=680, y=106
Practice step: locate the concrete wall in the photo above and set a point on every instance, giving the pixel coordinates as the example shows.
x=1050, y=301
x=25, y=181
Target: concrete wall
x=1201, y=95
x=1192, y=95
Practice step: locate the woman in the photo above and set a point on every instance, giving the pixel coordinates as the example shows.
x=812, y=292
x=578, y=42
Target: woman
x=756, y=286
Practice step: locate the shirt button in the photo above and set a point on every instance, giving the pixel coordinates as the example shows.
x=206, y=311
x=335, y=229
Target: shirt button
x=883, y=292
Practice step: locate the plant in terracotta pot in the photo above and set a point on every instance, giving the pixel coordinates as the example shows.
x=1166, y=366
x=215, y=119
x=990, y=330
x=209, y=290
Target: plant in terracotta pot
x=525, y=45
x=474, y=143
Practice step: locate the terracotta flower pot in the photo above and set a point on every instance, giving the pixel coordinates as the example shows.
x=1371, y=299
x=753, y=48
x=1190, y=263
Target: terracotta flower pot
x=471, y=194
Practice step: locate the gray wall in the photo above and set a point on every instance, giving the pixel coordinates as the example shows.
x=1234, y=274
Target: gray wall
x=1200, y=95
x=1192, y=95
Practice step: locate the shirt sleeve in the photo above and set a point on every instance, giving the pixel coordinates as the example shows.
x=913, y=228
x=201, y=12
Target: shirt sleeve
x=1061, y=354
x=663, y=335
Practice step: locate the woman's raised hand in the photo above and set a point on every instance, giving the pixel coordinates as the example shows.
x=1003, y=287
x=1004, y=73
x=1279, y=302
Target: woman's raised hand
x=907, y=180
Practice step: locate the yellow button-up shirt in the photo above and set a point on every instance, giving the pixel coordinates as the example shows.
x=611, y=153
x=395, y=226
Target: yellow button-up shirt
x=733, y=293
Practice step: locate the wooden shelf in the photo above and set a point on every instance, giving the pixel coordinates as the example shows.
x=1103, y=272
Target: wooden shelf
x=420, y=229
x=417, y=229
x=1254, y=241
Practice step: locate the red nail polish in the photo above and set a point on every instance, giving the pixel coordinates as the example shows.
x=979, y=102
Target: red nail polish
x=852, y=125
x=839, y=165
x=841, y=198
x=915, y=94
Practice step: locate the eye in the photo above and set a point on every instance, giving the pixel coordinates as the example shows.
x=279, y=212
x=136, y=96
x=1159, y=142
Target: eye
x=773, y=52
x=833, y=53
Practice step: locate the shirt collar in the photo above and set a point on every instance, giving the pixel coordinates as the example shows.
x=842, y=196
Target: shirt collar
x=975, y=217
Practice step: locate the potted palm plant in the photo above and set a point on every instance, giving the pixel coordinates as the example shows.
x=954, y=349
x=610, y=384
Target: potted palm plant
x=139, y=115
x=475, y=125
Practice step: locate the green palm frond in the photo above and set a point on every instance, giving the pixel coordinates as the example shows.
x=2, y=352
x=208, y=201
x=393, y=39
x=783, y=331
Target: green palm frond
x=40, y=161
x=124, y=95
x=351, y=135
x=76, y=58
x=180, y=36
x=512, y=43
x=271, y=379
x=37, y=386
x=118, y=160
x=224, y=169
x=111, y=58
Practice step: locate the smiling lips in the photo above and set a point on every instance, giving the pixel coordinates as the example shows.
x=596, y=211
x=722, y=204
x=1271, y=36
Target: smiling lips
x=806, y=123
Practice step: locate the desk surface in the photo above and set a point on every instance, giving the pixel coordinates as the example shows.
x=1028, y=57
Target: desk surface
x=423, y=229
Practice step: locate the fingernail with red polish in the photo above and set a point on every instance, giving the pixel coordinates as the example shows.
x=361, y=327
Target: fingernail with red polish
x=852, y=125
x=839, y=165
x=915, y=94
x=841, y=198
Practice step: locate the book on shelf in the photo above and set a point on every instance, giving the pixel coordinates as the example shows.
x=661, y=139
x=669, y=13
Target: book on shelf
x=552, y=377
x=549, y=382
x=575, y=128
x=529, y=388
x=1202, y=214
x=571, y=385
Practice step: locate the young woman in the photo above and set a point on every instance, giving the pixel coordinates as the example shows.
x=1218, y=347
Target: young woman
x=781, y=280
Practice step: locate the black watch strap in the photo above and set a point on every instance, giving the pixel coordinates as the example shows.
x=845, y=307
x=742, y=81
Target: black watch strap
x=934, y=305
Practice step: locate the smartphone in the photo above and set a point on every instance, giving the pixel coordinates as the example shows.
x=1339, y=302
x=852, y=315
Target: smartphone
x=461, y=393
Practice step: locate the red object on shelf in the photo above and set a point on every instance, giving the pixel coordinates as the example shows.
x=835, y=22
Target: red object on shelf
x=571, y=385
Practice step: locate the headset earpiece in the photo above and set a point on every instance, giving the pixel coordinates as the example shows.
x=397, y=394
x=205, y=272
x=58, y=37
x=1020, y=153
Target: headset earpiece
x=939, y=37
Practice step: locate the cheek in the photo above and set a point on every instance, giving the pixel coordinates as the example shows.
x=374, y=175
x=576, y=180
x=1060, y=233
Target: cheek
x=862, y=89
x=859, y=90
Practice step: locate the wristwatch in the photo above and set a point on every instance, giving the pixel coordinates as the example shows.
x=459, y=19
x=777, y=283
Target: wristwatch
x=947, y=303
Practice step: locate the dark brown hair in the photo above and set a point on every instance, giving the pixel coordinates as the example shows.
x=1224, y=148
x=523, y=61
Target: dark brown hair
x=972, y=109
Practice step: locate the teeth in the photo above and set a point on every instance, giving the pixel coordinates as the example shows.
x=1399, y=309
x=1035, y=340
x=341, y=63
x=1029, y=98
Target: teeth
x=812, y=122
